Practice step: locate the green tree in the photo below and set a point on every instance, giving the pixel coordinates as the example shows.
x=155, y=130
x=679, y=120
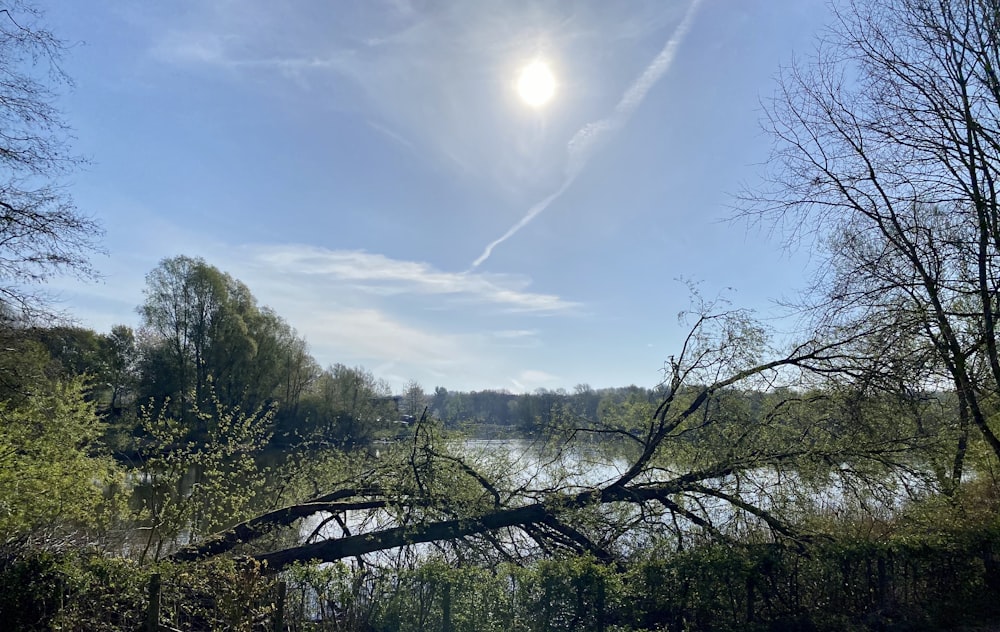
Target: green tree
x=183, y=308
x=439, y=402
x=349, y=406
x=53, y=471
x=72, y=350
x=24, y=363
x=209, y=339
x=414, y=399
x=190, y=488
x=585, y=401
x=120, y=358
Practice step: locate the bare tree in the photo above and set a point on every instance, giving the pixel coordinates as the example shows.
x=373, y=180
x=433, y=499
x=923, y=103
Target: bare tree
x=42, y=233
x=887, y=154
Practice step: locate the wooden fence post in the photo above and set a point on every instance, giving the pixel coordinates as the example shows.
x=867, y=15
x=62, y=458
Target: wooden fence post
x=601, y=604
x=153, y=610
x=547, y=604
x=279, y=610
x=61, y=591
x=446, y=607
x=883, y=581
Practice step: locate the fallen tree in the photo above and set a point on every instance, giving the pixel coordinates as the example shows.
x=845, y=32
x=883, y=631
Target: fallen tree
x=702, y=468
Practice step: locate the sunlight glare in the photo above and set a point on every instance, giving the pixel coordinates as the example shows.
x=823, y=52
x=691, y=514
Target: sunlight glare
x=535, y=84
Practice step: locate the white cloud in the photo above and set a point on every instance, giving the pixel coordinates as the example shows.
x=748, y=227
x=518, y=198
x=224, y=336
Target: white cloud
x=382, y=275
x=363, y=335
x=531, y=379
x=186, y=47
x=512, y=334
x=356, y=307
x=401, y=319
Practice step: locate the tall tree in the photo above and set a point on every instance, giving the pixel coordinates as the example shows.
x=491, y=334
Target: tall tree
x=120, y=358
x=414, y=399
x=438, y=402
x=42, y=233
x=184, y=299
x=210, y=340
x=887, y=146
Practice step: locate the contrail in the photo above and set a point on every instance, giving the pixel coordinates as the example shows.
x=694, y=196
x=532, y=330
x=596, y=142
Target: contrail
x=581, y=147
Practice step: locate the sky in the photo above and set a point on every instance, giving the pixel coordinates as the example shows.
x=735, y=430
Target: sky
x=369, y=170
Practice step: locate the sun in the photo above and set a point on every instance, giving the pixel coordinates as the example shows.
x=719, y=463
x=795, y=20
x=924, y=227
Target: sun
x=536, y=84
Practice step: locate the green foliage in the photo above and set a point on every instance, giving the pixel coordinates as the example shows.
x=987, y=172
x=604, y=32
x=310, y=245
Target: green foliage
x=211, y=340
x=52, y=471
x=24, y=363
x=91, y=592
x=910, y=584
x=348, y=407
x=571, y=594
x=904, y=584
x=189, y=488
x=72, y=350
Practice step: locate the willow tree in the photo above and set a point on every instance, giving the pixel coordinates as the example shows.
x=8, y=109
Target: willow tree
x=207, y=339
x=887, y=152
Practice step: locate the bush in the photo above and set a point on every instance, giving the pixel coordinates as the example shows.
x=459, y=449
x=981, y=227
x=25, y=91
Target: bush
x=88, y=591
x=916, y=582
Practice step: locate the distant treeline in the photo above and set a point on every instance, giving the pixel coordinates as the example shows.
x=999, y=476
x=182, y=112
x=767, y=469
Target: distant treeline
x=205, y=345
x=531, y=412
x=205, y=342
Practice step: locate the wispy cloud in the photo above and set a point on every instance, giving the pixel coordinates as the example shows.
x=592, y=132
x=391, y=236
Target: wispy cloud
x=583, y=144
x=364, y=335
x=365, y=308
x=531, y=379
x=191, y=47
x=361, y=308
x=515, y=334
x=440, y=76
x=394, y=136
x=212, y=49
x=382, y=275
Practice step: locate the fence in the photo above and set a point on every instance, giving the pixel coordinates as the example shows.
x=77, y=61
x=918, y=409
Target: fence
x=923, y=583
x=224, y=597
x=270, y=616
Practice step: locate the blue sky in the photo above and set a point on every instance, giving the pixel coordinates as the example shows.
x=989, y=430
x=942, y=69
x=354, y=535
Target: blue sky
x=352, y=162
